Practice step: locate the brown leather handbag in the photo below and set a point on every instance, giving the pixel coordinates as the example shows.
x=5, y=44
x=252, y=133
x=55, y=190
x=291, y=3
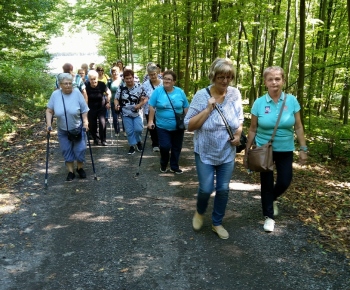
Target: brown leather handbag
x=260, y=159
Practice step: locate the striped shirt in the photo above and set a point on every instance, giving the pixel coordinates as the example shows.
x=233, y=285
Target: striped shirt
x=211, y=141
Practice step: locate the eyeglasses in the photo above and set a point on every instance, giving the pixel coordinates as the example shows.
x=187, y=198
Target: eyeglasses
x=100, y=70
x=166, y=79
x=222, y=78
x=66, y=84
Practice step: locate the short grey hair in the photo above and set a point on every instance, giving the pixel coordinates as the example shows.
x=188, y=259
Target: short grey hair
x=221, y=66
x=271, y=69
x=92, y=73
x=64, y=76
x=152, y=68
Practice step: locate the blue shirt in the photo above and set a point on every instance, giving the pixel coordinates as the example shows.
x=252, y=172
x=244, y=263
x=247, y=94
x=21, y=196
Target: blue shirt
x=266, y=110
x=75, y=105
x=211, y=141
x=165, y=116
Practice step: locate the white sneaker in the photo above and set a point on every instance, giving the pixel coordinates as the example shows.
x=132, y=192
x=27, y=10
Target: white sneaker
x=269, y=224
x=275, y=208
x=156, y=149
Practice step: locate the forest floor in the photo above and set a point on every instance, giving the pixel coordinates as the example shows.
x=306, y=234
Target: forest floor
x=122, y=232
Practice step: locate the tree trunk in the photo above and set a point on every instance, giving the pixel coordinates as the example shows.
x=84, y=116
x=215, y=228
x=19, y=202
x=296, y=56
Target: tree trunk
x=188, y=46
x=301, y=58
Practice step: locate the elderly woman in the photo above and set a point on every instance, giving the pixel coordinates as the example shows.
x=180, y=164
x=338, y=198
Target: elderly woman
x=129, y=100
x=214, y=151
x=163, y=102
x=265, y=112
x=113, y=84
x=99, y=97
x=70, y=108
x=148, y=87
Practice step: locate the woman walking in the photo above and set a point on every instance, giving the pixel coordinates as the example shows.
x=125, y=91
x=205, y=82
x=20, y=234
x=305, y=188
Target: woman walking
x=70, y=108
x=265, y=112
x=148, y=88
x=163, y=102
x=130, y=100
x=99, y=97
x=214, y=151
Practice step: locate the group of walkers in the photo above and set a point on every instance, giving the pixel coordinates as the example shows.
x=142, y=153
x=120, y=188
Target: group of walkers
x=212, y=109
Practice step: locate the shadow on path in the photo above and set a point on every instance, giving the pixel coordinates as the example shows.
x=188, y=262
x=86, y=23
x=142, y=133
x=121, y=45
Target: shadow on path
x=122, y=232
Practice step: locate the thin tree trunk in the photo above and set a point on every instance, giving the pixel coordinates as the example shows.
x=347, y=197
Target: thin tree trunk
x=301, y=78
x=215, y=11
x=286, y=35
x=188, y=46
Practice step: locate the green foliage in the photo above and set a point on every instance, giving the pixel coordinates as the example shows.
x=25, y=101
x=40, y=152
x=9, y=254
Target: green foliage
x=329, y=139
x=26, y=26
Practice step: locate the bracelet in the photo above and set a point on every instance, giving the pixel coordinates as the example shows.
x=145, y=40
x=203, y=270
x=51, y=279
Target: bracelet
x=303, y=148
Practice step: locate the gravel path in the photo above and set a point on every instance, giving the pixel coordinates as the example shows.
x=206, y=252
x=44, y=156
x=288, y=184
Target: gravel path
x=121, y=232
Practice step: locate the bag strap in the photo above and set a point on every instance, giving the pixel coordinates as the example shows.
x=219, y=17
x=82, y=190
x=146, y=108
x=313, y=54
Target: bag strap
x=65, y=113
x=170, y=101
x=223, y=118
x=279, y=118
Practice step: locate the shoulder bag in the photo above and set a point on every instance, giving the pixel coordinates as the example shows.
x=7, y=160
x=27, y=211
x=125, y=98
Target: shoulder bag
x=180, y=124
x=243, y=139
x=75, y=134
x=260, y=159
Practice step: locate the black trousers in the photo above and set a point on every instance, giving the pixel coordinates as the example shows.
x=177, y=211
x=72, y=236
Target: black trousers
x=93, y=116
x=154, y=133
x=270, y=190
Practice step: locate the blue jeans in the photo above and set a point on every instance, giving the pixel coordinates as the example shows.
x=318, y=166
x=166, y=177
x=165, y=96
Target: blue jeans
x=133, y=129
x=205, y=173
x=170, y=145
x=270, y=191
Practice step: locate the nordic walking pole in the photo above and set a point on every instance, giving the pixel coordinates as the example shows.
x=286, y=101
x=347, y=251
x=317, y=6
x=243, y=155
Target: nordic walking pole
x=92, y=160
x=110, y=123
x=47, y=155
x=143, y=149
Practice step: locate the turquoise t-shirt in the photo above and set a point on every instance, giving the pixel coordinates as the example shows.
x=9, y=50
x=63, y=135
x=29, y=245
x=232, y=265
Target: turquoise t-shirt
x=165, y=117
x=266, y=110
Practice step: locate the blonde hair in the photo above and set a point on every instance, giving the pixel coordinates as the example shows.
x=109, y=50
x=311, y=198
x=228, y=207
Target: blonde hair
x=221, y=66
x=271, y=69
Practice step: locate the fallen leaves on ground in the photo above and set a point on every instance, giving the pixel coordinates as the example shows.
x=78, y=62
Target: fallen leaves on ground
x=321, y=196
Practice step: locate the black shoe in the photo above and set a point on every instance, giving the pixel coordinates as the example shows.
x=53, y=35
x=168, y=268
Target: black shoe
x=104, y=143
x=131, y=150
x=95, y=142
x=139, y=146
x=163, y=169
x=176, y=171
x=81, y=173
x=70, y=176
